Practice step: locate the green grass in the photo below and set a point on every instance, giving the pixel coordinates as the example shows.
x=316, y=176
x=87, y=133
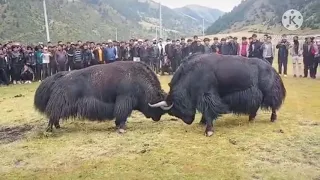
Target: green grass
x=169, y=149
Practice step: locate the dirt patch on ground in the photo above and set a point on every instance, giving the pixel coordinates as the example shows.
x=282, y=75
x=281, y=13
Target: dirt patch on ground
x=11, y=134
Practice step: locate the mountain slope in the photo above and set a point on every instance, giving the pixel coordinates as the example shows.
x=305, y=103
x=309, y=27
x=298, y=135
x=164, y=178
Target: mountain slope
x=266, y=15
x=91, y=20
x=200, y=12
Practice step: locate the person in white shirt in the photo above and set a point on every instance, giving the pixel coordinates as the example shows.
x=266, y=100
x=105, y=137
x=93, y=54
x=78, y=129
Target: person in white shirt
x=297, y=59
x=45, y=63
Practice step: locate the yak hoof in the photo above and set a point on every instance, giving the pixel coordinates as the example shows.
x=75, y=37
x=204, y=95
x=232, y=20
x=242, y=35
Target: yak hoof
x=121, y=131
x=209, y=133
x=57, y=126
x=49, y=129
x=273, y=117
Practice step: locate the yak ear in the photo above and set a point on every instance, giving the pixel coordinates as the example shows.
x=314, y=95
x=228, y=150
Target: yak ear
x=169, y=84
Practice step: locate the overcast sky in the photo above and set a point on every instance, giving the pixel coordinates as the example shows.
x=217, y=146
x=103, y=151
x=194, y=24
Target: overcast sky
x=223, y=5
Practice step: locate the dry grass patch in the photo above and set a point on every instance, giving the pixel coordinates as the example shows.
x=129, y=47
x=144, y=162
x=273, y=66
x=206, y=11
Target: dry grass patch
x=168, y=149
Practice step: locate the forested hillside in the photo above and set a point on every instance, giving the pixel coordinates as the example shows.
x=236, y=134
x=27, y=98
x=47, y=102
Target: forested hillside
x=266, y=14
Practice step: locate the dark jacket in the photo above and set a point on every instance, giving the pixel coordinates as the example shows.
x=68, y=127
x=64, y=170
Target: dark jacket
x=225, y=49
x=283, y=49
x=169, y=50
x=144, y=52
x=198, y=49
x=87, y=56
x=186, y=51
x=255, y=49
x=234, y=47
x=214, y=47
x=31, y=58
x=3, y=63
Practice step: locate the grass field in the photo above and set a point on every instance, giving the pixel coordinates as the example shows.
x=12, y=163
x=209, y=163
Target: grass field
x=169, y=149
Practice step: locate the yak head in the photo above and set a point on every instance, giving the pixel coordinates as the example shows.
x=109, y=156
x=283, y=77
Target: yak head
x=178, y=103
x=155, y=113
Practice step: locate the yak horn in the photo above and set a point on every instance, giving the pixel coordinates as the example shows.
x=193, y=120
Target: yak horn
x=159, y=104
x=166, y=108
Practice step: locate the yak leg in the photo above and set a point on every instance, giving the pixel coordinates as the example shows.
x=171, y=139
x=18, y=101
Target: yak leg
x=209, y=126
x=50, y=125
x=56, y=125
x=253, y=114
x=203, y=120
x=122, y=111
x=273, y=115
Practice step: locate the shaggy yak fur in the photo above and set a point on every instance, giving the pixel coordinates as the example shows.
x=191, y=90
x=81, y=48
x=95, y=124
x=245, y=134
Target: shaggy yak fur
x=215, y=84
x=100, y=92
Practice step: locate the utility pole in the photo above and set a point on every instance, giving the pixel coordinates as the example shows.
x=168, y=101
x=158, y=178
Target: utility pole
x=116, y=34
x=202, y=26
x=46, y=19
x=156, y=32
x=160, y=19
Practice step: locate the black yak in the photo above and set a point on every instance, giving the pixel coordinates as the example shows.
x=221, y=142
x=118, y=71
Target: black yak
x=216, y=84
x=100, y=92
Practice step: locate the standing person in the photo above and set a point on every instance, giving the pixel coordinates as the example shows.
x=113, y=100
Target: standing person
x=224, y=47
x=169, y=48
x=283, y=53
x=244, y=48
x=161, y=54
x=154, y=55
x=70, y=52
x=31, y=59
x=3, y=66
x=215, y=46
x=39, y=59
x=255, y=48
x=98, y=55
x=317, y=56
x=296, y=53
x=78, y=57
x=144, y=53
x=53, y=64
x=136, y=50
x=207, y=47
x=308, y=57
x=16, y=60
x=268, y=50
x=61, y=59
x=87, y=56
x=110, y=53
x=45, y=62
x=234, y=46
x=187, y=50
x=177, y=56
x=194, y=43
x=198, y=48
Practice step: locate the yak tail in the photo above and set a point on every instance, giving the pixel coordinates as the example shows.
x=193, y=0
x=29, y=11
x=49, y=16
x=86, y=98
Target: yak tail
x=44, y=91
x=275, y=97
